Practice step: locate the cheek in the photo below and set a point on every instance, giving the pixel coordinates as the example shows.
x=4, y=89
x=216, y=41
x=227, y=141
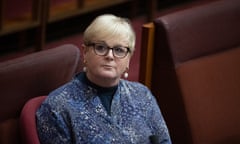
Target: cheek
x=90, y=59
x=124, y=65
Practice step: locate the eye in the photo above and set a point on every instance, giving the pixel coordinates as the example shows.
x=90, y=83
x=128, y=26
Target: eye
x=120, y=49
x=100, y=47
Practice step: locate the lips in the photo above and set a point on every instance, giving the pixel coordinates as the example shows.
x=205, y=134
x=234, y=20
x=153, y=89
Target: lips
x=108, y=66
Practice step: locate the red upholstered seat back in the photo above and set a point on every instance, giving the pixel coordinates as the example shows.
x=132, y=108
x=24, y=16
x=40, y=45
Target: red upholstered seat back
x=28, y=120
x=29, y=76
x=196, y=72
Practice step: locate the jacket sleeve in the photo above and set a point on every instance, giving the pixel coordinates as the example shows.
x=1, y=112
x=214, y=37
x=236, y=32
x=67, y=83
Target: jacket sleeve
x=157, y=122
x=51, y=126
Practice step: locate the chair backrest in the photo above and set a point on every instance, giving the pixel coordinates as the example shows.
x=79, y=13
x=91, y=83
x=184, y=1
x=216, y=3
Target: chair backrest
x=28, y=121
x=196, y=72
x=29, y=76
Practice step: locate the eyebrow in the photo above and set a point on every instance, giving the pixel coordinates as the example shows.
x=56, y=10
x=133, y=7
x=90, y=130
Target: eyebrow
x=103, y=42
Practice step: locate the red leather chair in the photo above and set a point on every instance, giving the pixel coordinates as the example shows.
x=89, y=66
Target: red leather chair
x=28, y=121
x=29, y=76
x=196, y=71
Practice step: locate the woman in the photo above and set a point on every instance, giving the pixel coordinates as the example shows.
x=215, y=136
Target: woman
x=97, y=106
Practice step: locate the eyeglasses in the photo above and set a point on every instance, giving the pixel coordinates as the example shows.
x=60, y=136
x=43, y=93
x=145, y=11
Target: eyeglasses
x=102, y=49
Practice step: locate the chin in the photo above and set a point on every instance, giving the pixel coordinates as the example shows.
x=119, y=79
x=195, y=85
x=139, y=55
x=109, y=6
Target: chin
x=109, y=75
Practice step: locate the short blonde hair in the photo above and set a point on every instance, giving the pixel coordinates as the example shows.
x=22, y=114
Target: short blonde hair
x=109, y=25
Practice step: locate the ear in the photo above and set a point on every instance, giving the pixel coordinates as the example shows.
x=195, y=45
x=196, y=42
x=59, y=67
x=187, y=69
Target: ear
x=129, y=60
x=127, y=69
x=84, y=49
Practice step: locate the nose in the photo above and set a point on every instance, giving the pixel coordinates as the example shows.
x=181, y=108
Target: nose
x=110, y=53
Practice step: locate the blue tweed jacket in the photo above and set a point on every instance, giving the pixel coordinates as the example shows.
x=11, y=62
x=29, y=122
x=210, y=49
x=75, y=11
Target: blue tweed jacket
x=73, y=113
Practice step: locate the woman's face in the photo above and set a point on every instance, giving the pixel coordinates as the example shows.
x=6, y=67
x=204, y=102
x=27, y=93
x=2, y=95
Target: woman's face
x=106, y=70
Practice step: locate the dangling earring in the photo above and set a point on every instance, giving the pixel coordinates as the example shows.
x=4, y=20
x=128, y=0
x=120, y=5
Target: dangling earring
x=84, y=67
x=125, y=75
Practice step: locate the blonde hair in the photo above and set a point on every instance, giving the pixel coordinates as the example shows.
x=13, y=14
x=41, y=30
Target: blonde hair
x=109, y=25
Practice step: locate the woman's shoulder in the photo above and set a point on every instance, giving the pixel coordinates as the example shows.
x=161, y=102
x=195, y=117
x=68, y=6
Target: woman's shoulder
x=136, y=91
x=132, y=83
x=134, y=86
x=65, y=92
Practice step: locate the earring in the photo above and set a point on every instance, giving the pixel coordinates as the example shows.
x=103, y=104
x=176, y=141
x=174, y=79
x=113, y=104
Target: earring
x=84, y=69
x=125, y=75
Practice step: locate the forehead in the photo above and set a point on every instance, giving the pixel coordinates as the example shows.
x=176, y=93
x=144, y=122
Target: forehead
x=113, y=41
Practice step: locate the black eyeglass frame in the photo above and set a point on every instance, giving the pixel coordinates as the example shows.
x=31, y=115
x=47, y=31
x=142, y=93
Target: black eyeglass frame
x=93, y=44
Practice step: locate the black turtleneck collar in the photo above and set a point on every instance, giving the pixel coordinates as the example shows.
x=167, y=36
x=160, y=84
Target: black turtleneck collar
x=104, y=93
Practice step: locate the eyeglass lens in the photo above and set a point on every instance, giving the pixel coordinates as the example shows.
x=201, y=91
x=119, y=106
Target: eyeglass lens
x=103, y=49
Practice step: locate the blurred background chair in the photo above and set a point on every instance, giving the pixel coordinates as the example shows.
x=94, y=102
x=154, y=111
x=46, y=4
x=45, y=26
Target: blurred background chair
x=28, y=127
x=196, y=71
x=33, y=75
